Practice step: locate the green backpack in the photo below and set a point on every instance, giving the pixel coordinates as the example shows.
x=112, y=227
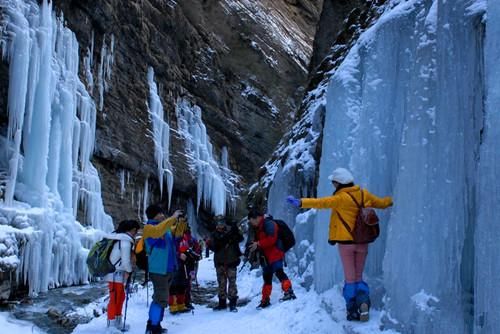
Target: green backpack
x=98, y=258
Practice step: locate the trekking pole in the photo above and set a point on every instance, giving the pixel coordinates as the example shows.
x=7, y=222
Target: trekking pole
x=127, y=290
x=147, y=287
x=243, y=265
x=196, y=278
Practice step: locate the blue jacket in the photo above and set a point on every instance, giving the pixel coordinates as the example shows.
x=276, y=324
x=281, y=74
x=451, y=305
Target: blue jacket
x=162, y=254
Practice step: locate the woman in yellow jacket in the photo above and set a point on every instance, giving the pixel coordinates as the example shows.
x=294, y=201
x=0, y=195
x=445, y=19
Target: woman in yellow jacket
x=344, y=205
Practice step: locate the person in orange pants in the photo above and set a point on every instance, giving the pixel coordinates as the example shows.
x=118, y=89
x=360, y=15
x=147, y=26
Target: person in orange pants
x=116, y=299
x=121, y=256
x=266, y=240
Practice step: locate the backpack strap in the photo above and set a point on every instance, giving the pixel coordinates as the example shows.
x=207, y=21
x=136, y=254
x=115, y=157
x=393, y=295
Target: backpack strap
x=346, y=226
x=119, y=248
x=362, y=205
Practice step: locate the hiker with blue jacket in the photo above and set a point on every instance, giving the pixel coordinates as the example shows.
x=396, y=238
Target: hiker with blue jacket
x=345, y=203
x=121, y=257
x=162, y=262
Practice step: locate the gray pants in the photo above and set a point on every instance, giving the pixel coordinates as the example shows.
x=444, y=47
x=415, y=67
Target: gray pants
x=161, y=287
x=225, y=274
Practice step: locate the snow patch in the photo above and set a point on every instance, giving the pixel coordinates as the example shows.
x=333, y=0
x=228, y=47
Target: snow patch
x=424, y=301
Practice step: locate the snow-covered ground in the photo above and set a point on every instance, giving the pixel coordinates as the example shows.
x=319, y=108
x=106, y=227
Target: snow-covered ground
x=309, y=313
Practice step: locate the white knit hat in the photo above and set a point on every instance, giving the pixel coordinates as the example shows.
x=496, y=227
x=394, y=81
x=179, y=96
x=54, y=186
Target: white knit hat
x=342, y=176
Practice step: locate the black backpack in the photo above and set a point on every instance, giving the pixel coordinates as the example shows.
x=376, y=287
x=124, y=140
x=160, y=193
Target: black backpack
x=141, y=256
x=285, y=234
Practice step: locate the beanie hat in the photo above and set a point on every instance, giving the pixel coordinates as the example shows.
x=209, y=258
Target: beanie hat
x=254, y=213
x=153, y=210
x=219, y=219
x=342, y=176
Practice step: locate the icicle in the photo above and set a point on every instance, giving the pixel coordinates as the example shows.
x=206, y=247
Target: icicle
x=192, y=218
x=216, y=185
x=105, y=69
x=19, y=56
x=100, y=74
x=224, y=157
x=145, y=199
x=122, y=182
x=161, y=136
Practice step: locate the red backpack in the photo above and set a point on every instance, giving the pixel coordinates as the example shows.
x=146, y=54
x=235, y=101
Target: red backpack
x=366, y=228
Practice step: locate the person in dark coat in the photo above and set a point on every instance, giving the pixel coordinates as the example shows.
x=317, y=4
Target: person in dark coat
x=180, y=281
x=225, y=245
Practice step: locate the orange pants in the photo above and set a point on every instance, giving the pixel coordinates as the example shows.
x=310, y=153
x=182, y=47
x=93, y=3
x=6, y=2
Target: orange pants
x=116, y=299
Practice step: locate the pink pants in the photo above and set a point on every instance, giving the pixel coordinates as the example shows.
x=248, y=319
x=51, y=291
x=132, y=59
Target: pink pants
x=353, y=260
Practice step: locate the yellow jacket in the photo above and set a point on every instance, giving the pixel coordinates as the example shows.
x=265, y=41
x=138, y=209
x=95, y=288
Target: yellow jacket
x=342, y=203
x=158, y=231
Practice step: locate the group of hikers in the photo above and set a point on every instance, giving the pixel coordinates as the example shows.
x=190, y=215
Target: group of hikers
x=173, y=252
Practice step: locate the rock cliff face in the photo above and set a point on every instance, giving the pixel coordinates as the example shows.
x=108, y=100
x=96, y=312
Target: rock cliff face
x=243, y=62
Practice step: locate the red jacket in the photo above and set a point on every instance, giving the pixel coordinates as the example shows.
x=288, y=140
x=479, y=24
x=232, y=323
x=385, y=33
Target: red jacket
x=267, y=239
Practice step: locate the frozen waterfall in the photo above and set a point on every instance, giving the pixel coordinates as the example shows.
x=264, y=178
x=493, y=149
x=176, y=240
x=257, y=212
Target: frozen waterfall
x=405, y=112
x=49, y=145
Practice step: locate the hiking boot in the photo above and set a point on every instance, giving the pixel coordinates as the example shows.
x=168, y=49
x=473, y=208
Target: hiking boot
x=150, y=328
x=232, y=305
x=289, y=295
x=352, y=311
x=221, y=306
x=352, y=316
x=155, y=329
x=263, y=304
x=364, y=312
x=119, y=324
x=111, y=323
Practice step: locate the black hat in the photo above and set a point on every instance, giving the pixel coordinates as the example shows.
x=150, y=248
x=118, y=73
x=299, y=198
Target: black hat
x=254, y=213
x=219, y=219
x=153, y=210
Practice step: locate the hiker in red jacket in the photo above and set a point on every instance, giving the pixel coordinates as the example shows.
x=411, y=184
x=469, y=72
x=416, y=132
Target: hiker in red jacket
x=266, y=240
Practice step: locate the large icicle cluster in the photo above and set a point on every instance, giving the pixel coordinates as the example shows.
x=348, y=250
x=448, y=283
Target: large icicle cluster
x=161, y=136
x=49, y=145
x=217, y=184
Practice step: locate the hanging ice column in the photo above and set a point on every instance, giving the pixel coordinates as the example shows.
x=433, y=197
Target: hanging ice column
x=161, y=136
x=47, y=105
x=105, y=68
x=217, y=185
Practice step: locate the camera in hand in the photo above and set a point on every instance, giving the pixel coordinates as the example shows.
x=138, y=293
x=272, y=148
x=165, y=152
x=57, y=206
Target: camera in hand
x=193, y=255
